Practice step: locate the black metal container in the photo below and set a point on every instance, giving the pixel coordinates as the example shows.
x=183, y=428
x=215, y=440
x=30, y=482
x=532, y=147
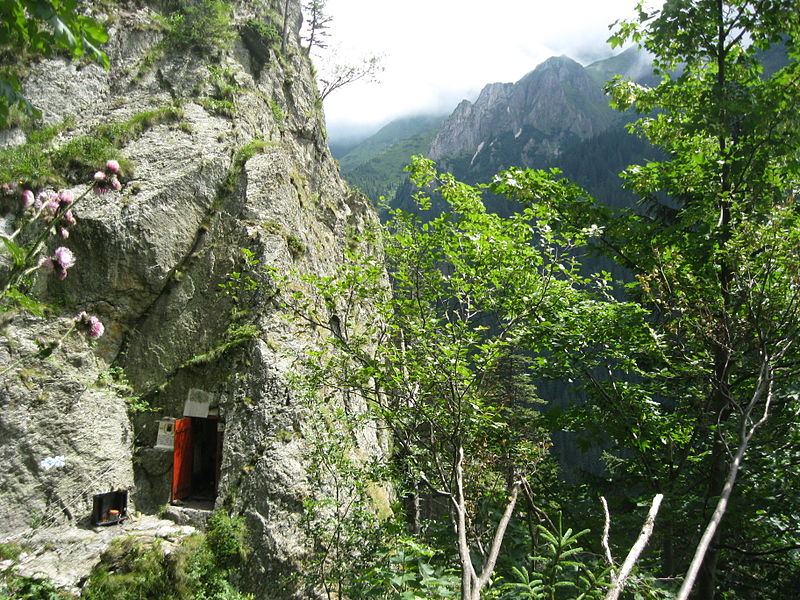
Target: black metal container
x=110, y=508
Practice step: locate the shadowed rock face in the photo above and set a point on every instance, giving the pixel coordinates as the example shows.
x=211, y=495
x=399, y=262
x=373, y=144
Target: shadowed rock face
x=150, y=261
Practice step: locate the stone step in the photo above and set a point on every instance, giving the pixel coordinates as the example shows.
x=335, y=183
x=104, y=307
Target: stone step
x=188, y=514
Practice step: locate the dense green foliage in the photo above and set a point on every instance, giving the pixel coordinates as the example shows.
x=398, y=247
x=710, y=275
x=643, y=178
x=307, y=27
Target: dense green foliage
x=715, y=257
x=689, y=369
x=480, y=306
x=200, y=568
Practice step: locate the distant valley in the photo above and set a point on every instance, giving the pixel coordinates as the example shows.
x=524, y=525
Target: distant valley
x=375, y=165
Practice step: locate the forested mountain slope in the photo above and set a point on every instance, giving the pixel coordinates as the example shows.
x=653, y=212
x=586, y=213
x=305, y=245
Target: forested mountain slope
x=375, y=165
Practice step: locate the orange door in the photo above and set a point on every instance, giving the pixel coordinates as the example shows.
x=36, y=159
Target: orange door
x=182, y=459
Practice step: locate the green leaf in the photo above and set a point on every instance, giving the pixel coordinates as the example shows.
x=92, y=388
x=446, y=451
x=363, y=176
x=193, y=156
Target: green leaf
x=32, y=306
x=17, y=253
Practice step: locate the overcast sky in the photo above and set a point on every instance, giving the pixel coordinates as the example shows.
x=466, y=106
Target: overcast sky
x=437, y=52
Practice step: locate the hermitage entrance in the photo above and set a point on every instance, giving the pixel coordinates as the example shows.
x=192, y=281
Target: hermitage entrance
x=197, y=457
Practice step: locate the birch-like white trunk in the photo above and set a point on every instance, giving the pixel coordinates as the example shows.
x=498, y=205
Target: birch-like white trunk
x=471, y=582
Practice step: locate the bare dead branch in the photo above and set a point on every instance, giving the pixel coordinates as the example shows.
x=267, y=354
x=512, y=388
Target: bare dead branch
x=604, y=540
x=630, y=560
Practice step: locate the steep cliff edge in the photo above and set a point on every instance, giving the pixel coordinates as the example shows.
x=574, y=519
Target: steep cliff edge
x=227, y=151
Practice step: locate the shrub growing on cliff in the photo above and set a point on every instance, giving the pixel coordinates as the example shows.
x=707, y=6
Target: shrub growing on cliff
x=202, y=25
x=200, y=568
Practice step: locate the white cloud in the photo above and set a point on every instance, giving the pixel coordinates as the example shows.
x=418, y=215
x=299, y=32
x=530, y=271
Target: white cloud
x=440, y=51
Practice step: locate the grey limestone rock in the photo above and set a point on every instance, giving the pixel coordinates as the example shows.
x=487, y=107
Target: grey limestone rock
x=51, y=408
x=254, y=174
x=65, y=554
x=558, y=101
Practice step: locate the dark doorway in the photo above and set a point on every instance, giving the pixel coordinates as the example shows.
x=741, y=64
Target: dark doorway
x=196, y=459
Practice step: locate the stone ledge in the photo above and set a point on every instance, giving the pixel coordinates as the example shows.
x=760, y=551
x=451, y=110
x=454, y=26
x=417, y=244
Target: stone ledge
x=66, y=555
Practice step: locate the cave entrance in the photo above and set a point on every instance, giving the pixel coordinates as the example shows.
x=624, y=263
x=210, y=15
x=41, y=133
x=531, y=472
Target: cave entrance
x=197, y=457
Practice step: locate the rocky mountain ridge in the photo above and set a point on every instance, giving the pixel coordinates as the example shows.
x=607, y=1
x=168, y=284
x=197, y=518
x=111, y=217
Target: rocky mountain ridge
x=555, y=115
x=557, y=99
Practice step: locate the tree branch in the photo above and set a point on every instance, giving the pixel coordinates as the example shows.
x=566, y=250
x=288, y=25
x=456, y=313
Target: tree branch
x=500, y=532
x=604, y=540
x=644, y=536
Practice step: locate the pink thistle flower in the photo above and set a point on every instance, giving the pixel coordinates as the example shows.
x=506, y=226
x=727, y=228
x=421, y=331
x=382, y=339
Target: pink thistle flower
x=27, y=198
x=100, y=176
x=52, y=205
x=70, y=218
x=46, y=197
x=112, y=166
x=115, y=184
x=65, y=197
x=64, y=233
x=90, y=323
x=96, y=328
x=63, y=259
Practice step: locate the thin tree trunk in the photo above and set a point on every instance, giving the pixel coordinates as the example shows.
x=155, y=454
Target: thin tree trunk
x=497, y=542
x=471, y=582
x=707, y=581
x=618, y=582
x=707, y=575
x=764, y=387
x=467, y=568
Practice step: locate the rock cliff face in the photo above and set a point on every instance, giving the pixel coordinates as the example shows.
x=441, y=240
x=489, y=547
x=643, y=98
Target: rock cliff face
x=232, y=156
x=470, y=124
x=548, y=109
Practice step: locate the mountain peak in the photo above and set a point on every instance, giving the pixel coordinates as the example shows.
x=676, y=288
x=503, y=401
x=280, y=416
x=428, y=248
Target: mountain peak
x=557, y=98
x=559, y=61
